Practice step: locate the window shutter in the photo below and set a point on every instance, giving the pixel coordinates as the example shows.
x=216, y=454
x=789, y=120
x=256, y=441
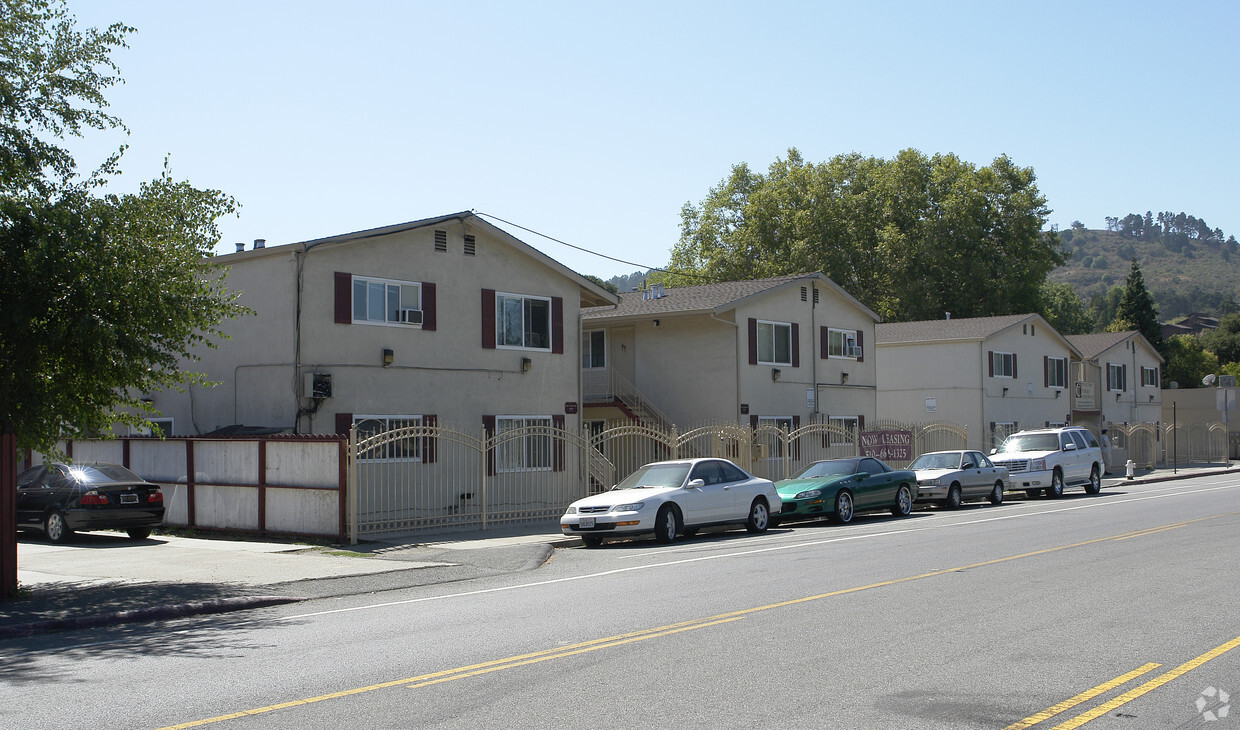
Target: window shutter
x=1124, y=378
x=488, y=428
x=428, y=306
x=796, y=345
x=861, y=346
x=344, y=298
x=753, y=422
x=826, y=434
x=1013, y=365
x=824, y=345
x=990, y=361
x=1046, y=371
x=557, y=326
x=796, y=444
x=488, y=325
x=557, y=445
x=430, y=444
x=344, y=421
x=753, y=341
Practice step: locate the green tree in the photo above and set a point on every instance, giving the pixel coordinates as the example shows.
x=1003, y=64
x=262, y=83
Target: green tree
x=1187, y=361
x=1224, y=342
x=102, y=296
x=1136, y=309
x=1065, y=310
x=911, y=237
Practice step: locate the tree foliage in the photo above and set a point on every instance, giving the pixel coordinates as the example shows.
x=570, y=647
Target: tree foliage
x=911, y=237
x=101, y=295
x=1064, y=309
x=1187, y=361
x=1136, y=309
x=1224, y=342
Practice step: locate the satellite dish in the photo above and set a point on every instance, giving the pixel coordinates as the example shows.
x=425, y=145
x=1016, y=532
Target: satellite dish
x=1208, y=380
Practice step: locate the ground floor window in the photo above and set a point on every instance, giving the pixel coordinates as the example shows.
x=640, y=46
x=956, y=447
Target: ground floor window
x=529, y=450
x=408, y=448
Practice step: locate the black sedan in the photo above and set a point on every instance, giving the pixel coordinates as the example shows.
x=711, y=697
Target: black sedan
x=60, y=499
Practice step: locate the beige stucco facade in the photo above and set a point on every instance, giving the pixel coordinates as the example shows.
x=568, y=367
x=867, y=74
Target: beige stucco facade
x=444, y=268
x=1118, y=383
x=944, y=372
x=687, y=352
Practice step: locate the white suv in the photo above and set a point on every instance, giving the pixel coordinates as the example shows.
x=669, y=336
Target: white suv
x=1046, y=460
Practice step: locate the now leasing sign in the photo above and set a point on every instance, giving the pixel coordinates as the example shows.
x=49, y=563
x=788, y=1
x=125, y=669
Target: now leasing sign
x=887, y=445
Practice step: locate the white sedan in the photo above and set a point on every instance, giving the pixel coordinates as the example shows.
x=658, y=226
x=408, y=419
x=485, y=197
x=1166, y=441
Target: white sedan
x=952, y=477
x=674, y=497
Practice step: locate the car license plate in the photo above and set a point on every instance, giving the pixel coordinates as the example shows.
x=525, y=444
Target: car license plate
x=129, y=499
x=586, y=523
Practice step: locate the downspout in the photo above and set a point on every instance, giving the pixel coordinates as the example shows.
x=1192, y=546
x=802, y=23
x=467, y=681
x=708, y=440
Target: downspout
x=737, y=339
x=981, y=405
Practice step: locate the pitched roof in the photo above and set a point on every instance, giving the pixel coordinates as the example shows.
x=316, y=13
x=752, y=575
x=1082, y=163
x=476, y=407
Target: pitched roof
x=935, y=330
x=1094, y=344
x=706, y=298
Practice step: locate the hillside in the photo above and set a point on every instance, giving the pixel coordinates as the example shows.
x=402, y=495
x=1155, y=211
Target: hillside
x=1203, y=275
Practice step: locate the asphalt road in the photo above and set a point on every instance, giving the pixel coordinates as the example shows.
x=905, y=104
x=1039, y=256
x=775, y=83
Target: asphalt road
x=1111, y=611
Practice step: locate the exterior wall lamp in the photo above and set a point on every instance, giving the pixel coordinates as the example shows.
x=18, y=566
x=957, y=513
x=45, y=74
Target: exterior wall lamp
x=843, y=378
x=1057, y=393
x=1004, y=391
x=776, y=373
x=526, y=364
x=388, y=356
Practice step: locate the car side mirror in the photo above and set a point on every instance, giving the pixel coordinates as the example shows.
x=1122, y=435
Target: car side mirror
x=1069, y=447
x=969, y=465
x=696, y=484
x=862, y=474
x=994, y=451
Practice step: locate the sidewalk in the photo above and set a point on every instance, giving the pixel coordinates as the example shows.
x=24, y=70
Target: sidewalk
x=104, y=578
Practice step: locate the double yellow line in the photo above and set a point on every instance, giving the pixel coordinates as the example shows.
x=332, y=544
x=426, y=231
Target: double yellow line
x=1123, y=699
x=474, y=670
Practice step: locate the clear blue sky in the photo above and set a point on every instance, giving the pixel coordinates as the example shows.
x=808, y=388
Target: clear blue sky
x=595, y=122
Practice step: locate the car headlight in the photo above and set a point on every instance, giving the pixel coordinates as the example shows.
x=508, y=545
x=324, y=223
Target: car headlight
x=809, y=494
x=1037, y=465
x=570, y=511
x=631, y=507
x=930, y=483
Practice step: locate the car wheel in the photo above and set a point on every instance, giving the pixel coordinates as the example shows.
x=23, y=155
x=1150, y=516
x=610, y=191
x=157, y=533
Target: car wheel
x=665, y=524
x=138, y=533
x=904, y=502
x=843, y=507
x=591, y=541
x=1095, y=481
x=996, y=494
x=953, y=497
x=1055, y=490
x=1033, y=493
x=55, y=527
x=759, y=516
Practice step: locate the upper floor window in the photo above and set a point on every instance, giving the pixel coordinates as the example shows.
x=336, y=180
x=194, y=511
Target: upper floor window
x=1003, y=364
x=594, y=350
x=842, y=343
x=1115, y=377
x=1149, y=377
x=774, y=343
x=1056, y=372
x=386, y=301
x=522, y=321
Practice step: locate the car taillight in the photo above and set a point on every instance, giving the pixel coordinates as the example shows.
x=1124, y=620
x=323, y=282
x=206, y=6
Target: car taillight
x=155, y=497
x=94, y=498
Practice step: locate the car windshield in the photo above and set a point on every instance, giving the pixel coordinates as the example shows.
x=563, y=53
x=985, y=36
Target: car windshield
x=839, y=467
x=102, y=474
x=1031, y=442
x=936, y=461
x=656, y=475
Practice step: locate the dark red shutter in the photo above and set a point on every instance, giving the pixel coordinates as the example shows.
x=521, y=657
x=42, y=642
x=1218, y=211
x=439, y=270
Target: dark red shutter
x=344, y=298
x=861, y=346
x=796, y=345
x=1046, y=371
x=753, y=341
x=796, y=443
x=430, y=444
x=1013, y=365
x=753, y=422
x=1124, y=376
x=488, y=323
x=344, y=421
x=990, y=362
x=557, y=445
x=860, y=426
x=824, y=346
x=557, y=325
x=428, y=306
x=488, y=427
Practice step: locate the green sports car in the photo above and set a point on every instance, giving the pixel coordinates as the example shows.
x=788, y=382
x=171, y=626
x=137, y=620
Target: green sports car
x=841, y=488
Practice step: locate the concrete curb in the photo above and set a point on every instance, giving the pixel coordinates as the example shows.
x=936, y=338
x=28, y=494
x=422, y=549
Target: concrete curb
x=150, y=613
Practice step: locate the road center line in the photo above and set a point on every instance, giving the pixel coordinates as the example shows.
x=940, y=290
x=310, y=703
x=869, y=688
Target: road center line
x=1082, y=698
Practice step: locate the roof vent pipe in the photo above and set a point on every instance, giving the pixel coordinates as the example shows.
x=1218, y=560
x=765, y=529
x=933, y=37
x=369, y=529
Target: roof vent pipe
x=240, y=246
x=260, y=243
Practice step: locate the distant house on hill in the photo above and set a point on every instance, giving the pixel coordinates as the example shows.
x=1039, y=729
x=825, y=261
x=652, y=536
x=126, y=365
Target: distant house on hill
x=1193, y=324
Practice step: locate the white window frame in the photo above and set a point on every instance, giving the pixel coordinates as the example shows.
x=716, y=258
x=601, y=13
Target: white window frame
x=851, y=424
x=840, y=343
x=1004, y=364
x=587, y=350
x=1052, y=372
x=500, y=318
x=773, y=329
x=1149, y=377
x=393, y=291
x=1115, y=377
x=524, y=454
x=394, y=451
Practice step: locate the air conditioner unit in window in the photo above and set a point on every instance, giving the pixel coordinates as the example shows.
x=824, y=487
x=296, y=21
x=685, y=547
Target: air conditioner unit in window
x=411, y=316
x=852, y=351
x=317, y=385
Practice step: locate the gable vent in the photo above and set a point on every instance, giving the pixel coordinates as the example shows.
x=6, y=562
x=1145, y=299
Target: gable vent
x=804, y=295
x=815, y=295
x=470, y=244
x=441, y=240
